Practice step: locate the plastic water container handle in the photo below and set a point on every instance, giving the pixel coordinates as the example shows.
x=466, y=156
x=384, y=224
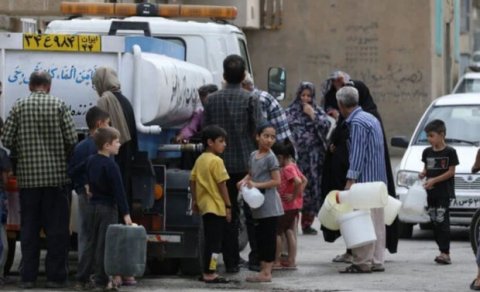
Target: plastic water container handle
x=340, y=196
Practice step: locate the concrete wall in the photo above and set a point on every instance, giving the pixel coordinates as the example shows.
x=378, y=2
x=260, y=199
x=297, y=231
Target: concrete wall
x=385, y=43
x=388, y=44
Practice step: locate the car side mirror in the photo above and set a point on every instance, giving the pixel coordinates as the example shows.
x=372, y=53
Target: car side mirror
x=277, y=82
x=399, y=141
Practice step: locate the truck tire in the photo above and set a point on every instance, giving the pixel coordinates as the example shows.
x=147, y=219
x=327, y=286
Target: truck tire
x=12, y=245
x=194, y=266
x=166, y=266
x=405, y=230
x=474, y=230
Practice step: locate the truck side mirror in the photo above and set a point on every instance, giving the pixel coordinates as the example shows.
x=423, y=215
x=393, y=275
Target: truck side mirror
x=277, y=82
x=399, y=141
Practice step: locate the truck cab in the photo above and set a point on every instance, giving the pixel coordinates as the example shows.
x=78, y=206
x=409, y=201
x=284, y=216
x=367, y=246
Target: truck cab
x=205, y=44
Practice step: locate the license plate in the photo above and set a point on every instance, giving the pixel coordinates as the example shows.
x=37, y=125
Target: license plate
x=471, y=203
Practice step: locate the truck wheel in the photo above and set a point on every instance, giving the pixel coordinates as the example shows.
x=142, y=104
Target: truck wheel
x=165, y=266
x=194, y=266
x=474, y=230
x=405, y=230
x=12, y=244
x=191, y=266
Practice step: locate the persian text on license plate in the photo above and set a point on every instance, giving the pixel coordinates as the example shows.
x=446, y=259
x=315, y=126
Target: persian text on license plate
x=465, y=203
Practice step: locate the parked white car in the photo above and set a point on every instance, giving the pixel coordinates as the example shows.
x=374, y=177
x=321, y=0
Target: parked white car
x=469, y=82
x=461, y=114
x=474, y=63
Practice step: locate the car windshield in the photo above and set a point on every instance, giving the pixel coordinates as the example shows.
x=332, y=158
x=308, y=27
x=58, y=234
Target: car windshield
x=462, y=122
x=468, y=85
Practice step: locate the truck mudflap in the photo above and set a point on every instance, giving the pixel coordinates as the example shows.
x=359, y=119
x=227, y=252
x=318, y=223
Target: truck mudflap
x=175, y=244
x=165, y=237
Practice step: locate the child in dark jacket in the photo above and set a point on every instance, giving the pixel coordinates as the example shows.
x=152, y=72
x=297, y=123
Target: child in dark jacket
x=107, y=194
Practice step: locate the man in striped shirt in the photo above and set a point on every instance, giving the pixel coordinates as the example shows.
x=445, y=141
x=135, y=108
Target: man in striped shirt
x=367, y=164
x=271, y=110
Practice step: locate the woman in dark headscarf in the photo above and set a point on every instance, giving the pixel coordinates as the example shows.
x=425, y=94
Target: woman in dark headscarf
x=309, y=125
x=336, y=162
x=107, y=85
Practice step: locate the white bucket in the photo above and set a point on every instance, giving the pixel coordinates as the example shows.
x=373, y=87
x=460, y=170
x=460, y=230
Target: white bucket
x=390, y=211
x=357, y=228
x=253, y=197
x=365, y=195
x=331, y=210
x=415, y=201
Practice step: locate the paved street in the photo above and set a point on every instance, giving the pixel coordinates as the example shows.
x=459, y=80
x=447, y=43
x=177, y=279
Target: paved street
x=411, y=269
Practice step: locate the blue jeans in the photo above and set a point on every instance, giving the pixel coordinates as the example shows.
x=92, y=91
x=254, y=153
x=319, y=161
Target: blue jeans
x=82, y=223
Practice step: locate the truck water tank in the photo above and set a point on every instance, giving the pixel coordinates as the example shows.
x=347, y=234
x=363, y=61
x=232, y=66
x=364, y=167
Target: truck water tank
x=125, y=250
x=168, y=89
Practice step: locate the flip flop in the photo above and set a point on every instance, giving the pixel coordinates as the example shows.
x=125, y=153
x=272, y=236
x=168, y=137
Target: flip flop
x=444, y=260
x=354, y=269
x=217, y=280
x=279, y=267
x=474, y=287
x=378, y=269
x=286, y=266
x=129, y=283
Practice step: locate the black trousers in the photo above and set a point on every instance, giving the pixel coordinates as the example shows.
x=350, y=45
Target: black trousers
x=46, y=208
x=213, y=226
x=250, y=223
x=99, y=217
x=266, y=234
x=230, y=248
x=438, y=210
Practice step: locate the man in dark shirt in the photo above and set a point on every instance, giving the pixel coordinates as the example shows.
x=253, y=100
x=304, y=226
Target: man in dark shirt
x=238, y=112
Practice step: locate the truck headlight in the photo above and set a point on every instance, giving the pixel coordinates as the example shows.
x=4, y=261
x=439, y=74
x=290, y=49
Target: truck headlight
x=407, y=178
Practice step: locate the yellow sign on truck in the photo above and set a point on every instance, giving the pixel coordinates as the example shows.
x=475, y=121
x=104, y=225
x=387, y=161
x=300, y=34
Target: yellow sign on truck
x=62, y=42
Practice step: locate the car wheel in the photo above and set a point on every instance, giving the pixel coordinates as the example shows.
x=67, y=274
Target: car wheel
x=474, y=230
x=426, y=226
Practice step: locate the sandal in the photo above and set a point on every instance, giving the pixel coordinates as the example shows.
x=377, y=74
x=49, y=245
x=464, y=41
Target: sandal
x=277, y=267
x=343, y=258
x=129, y=281
x=217, y=280
x=378, y=268
x=474, y=287
x=443, y=259
x=355, y=269
x=287, y=266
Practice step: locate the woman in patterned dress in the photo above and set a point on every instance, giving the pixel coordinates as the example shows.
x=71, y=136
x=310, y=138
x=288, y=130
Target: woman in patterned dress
x=309, y=125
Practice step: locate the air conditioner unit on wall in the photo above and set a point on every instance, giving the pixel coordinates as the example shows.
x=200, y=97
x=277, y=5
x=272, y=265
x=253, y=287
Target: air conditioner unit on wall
x=249, y=12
